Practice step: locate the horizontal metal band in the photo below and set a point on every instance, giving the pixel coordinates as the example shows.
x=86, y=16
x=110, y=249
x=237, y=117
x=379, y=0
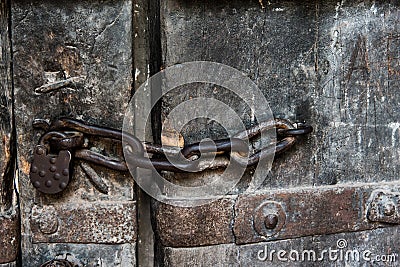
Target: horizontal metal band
x=98, y=222
x=202, y=225
x=280, y=214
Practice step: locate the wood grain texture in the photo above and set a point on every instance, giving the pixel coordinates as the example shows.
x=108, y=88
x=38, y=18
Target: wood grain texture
x=7, y=151
x=144, y=31
x=332, y=65
x=9, y=217
x=89, y=43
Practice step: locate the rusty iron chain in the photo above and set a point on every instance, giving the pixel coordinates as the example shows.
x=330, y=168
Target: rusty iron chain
x=71, y=138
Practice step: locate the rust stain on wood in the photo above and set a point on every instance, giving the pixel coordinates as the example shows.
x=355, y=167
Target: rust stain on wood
x=307, y=211
x=9, y=238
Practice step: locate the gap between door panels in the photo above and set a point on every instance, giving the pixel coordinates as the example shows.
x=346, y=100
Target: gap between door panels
x=147, y=62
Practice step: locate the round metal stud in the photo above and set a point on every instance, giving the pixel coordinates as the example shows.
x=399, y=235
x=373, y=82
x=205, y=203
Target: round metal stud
x=49, y=183
x=57, y=176
x=271, y=221
x=40, y=151
x=63, y=185
x=269, y=218
x=34, y=169
x=389, y=209
x=65, y=172
x=36, y=184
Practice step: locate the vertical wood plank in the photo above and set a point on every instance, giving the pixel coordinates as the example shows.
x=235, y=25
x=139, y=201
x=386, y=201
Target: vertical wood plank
x=84, y=47
x=7, y=152
x=143, y=29
x=9, y=223
x=333, y=64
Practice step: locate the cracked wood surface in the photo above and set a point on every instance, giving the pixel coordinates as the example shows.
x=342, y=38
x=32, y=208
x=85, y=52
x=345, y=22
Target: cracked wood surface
x=9, y=217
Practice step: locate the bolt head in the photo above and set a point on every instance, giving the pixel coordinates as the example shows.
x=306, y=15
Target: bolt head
x=389, y=209
x=271, y=221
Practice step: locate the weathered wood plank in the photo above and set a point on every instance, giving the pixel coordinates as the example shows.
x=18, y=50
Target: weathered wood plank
x=80, y=54
x=332, y=64
x=7, y=152
x=143, y=27
x=9, y=217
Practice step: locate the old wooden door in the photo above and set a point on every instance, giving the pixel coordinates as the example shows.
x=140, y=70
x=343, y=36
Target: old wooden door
x=333, y=64
x=67, y=58
x=333, y=197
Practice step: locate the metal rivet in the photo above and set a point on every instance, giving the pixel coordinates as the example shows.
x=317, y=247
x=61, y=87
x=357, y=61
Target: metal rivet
x=65, y=172
x=42, y=173
x=63, y=185
x=268, y=218
x=57, y=176
x=36, y=184
x=39, y=151
x=389, y=209
x=48, y=183
x=271, y=221
x=53, y=160
x=34, y=169
x=53, y=168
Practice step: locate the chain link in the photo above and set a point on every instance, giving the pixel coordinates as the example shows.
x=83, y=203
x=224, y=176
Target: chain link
x=74, y=136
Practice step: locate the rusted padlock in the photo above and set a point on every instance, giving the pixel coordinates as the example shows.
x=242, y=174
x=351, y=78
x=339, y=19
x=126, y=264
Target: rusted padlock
x=49, y=173
x=50, y=169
